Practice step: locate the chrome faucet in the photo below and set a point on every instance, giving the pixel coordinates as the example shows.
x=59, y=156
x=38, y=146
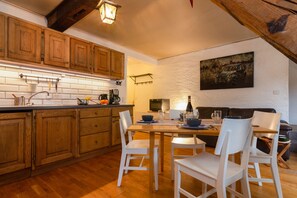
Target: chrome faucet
x=29, y=99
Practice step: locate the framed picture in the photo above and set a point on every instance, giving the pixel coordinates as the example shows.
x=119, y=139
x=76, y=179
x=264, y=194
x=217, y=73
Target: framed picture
x=235, y=71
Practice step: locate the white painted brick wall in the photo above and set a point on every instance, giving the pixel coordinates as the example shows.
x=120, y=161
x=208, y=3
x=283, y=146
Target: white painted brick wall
x=70, y=87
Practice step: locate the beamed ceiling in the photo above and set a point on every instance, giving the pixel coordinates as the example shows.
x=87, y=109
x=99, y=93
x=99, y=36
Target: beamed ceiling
x=158, y=28
x=166, y=28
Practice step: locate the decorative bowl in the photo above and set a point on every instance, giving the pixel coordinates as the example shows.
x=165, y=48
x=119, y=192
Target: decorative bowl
x=193, y=122
x=147, y=118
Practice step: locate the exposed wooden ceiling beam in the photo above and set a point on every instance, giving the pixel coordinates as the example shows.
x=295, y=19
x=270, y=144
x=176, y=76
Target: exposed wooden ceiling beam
x=68, y=12
x=274, y=24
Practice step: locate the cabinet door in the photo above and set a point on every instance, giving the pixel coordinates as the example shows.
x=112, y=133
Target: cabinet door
x=115, y=133
x=117, y=65
x=15, y=142
x=2, y=36
x=56, y=49
x=24, y=40
x=56, y=135
x=101, y=58
x=80, y=55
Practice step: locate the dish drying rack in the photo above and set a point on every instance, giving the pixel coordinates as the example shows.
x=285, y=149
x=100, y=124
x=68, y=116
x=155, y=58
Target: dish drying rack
x=134, y=78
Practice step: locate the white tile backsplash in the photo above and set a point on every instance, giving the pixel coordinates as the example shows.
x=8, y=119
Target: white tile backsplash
x=70, y=87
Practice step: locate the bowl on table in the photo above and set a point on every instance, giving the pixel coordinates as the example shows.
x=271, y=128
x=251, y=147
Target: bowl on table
x=193, y=122
x=147, y=118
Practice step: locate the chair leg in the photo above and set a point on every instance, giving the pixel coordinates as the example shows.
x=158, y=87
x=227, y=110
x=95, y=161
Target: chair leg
x=156, y=169
x=275, y=175
x=177, y=182
x=245, y=185
x=194, y=151
x=127, y=162
x=204, y=189
x=121, y=171
x=172, y=162
x=221, y=191
x=258, y=173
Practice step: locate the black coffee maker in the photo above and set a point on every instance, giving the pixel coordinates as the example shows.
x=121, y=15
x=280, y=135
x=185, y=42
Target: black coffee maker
x=114, y=98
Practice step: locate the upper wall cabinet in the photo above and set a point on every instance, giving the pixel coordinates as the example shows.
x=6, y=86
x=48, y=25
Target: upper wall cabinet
x=117, y=65
x=24, y=41
x=2, y=36
x=101, y=58
x=56, y=49
x=80, y=55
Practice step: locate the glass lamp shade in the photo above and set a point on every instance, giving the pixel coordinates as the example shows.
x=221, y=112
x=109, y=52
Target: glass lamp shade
x=108, y=12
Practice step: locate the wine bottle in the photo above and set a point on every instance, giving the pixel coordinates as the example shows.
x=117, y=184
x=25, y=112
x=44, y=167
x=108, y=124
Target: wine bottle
x=189, y=108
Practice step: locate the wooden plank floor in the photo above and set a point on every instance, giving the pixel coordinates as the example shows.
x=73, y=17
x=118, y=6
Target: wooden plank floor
x=97, y=177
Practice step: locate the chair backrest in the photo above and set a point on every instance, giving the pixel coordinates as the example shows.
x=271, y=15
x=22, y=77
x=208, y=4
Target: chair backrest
x=125, y=122
x=235, y=136
x=238, y=131
x=270, y=121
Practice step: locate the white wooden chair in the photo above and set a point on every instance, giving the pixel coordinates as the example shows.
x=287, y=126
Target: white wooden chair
x=216, y=170
x=183, y=142
x=271, y=121
x=131, y=147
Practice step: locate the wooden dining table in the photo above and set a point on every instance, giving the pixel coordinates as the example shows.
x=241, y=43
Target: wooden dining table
x=175, y=128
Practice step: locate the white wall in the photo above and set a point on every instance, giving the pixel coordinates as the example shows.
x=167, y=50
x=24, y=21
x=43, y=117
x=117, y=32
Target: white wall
x=177, y=77
x=82, y=86
x=292, y=93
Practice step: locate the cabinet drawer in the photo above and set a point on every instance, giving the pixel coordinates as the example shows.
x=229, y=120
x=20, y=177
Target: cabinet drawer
x=93, y=142
x=116, y=111
x=94, y=125
x=89, y=113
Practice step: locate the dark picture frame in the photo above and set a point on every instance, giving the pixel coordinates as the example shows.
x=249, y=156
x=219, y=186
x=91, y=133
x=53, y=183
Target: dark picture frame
x=235, y=71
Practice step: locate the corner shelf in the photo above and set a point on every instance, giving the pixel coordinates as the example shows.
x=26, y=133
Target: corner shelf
x=134, y=78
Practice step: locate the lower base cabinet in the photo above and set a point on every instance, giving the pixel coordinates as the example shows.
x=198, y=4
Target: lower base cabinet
x=115, y=134
x=56, y=135
x=94, y=129
x=15, y=142
x=34, y=142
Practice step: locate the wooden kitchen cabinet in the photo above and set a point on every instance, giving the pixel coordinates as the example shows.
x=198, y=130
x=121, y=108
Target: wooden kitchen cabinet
x=101, y=58
x=94, y=129
x=24, y=41
x=2, y=36
x=115, y=134
x=15, y=142
x=117, y=65
x=56, y=135
x=56, y=49
x=80, y=55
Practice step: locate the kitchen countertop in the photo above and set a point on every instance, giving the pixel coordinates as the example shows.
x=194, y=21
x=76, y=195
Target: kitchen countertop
x=26, y=108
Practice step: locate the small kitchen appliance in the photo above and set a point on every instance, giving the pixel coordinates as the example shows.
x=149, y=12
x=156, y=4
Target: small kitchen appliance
x=114, y=97
x=103, y=99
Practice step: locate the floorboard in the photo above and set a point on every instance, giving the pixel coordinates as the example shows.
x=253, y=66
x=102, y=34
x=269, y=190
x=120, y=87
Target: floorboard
x=97, y=177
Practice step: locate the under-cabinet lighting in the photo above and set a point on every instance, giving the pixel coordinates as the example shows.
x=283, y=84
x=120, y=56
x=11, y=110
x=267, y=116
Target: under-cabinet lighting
x=62, y=74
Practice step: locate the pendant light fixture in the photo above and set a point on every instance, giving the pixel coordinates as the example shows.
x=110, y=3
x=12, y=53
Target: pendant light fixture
x=108, y=11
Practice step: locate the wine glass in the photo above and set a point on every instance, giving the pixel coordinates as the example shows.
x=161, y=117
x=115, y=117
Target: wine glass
x=216, y=116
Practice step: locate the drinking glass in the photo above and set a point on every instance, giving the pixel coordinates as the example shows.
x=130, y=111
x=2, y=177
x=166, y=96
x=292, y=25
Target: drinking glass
x=161, y=115
x=216, y=116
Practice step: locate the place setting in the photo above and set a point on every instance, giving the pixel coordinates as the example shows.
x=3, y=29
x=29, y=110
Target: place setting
x=147, y=119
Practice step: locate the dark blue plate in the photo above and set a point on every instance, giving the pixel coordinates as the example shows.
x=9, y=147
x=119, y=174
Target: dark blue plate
x=142, y=121
x=201, y=126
